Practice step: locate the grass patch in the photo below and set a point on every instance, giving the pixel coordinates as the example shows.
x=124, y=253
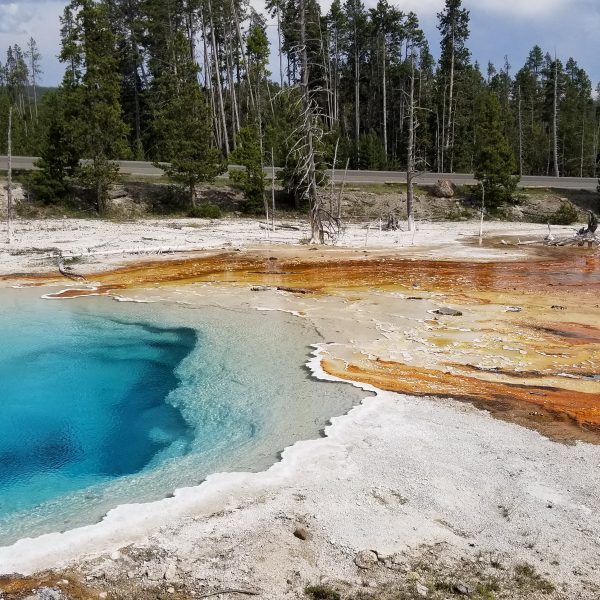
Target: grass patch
x=527, y=578
x=322, y=592
x=205, y=211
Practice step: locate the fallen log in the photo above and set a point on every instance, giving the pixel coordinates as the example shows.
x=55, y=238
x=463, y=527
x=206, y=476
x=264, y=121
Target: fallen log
x=68, y=272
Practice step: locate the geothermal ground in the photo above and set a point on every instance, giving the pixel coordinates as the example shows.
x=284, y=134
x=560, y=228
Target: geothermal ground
x=472, y=470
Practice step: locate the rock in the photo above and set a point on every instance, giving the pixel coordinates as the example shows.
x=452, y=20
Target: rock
x=301, y=533
x=170, y=590
x=170, y=572
x=115, y=555
x=462, y=589
x=447, y=312
x=444, y=188
x=46, y=594
x=117, y=191
x=102, y=595
x=155, y=572
x=514, y=309
x=366, y=559
x=422, y=590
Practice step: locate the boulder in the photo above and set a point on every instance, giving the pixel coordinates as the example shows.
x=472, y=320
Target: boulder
x=447, y=312
x=301, y=533
x=366, y=559
x=444, y=188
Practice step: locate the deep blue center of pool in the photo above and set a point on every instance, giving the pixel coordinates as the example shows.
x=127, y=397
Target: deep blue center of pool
x=83, y=400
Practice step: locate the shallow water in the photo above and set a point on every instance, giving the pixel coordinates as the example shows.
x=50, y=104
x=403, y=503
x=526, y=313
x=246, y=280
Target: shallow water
x=104, y=403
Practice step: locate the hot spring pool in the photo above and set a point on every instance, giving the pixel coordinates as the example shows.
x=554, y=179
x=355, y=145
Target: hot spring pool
x=105, y=403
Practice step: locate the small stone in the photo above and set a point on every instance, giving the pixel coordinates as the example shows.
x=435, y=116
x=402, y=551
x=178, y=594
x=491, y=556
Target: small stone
x=170, y=572
x=447, y=312
x=462, y=589
x=170, y=590
x=102, y=595
x=366, y=559
x=115, y=555
x=301, y=533
x=422, y=590
x=130, y=574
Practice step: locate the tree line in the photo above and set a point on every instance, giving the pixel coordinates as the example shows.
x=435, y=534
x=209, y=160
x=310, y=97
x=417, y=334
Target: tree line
x=185, y=82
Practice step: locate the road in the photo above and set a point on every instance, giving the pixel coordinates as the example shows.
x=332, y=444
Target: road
x=146, y=169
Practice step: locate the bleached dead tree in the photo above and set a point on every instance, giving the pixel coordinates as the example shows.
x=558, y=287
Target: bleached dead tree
x=555, y=121
x=9, y=196
x=410, y=169
x=304, y=152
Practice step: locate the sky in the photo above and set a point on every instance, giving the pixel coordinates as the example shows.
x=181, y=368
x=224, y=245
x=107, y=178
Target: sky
x=498, y=28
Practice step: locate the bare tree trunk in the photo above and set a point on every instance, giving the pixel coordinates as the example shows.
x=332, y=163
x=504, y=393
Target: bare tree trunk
x=316, y=226
x=208, y=82
x=337, y=143
x=335, y=79
x=234, y=102
x=482, y=214
x=219, y=85
x=384, y=90
x=451, y=91
x=443, y=132
x=520, y=136
x=356, y=93
x=272, y=190
x=555, y=120
x=595, y=149
x=260, y=138
x=243, y=53
x=279, y=47
x=9, y=196
x=410, y=170
x=582, y=145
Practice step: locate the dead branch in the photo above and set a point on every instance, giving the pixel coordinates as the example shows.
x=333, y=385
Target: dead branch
x=68, y=271
x=230, y=591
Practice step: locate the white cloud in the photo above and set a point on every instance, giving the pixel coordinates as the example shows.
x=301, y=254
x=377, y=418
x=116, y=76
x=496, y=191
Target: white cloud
x=38, y=19
x=11, y=18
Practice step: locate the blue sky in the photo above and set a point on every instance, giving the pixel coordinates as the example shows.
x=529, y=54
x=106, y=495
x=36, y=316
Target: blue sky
x=499, y=27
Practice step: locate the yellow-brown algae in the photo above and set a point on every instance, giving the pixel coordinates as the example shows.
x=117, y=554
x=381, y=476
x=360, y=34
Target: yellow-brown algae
x=528, y=340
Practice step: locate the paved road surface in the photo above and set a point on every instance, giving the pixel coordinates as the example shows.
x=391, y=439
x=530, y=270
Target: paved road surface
x=147, y=169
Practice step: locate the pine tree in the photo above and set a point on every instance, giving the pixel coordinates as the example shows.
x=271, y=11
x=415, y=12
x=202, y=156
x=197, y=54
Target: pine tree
x=494, y=160
x=59, y=152
x=252, y=178
x=181, y=119
x=92, y=93
x=454, y=28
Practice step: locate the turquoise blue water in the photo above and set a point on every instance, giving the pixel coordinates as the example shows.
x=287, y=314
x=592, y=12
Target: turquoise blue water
x=83, y=400
x=104, y=403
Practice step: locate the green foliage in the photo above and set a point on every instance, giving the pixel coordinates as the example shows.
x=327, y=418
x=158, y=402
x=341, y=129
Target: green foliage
x=181, y=121
x=92, y=117
x=322, y=592
x=252, y=179
x=59, y=154
x=371, y=153
x=205, y=211
x=565, y=215
x=494, y=162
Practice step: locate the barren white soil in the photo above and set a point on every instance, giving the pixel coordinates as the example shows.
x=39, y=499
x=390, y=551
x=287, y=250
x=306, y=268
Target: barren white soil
x=36, y=244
